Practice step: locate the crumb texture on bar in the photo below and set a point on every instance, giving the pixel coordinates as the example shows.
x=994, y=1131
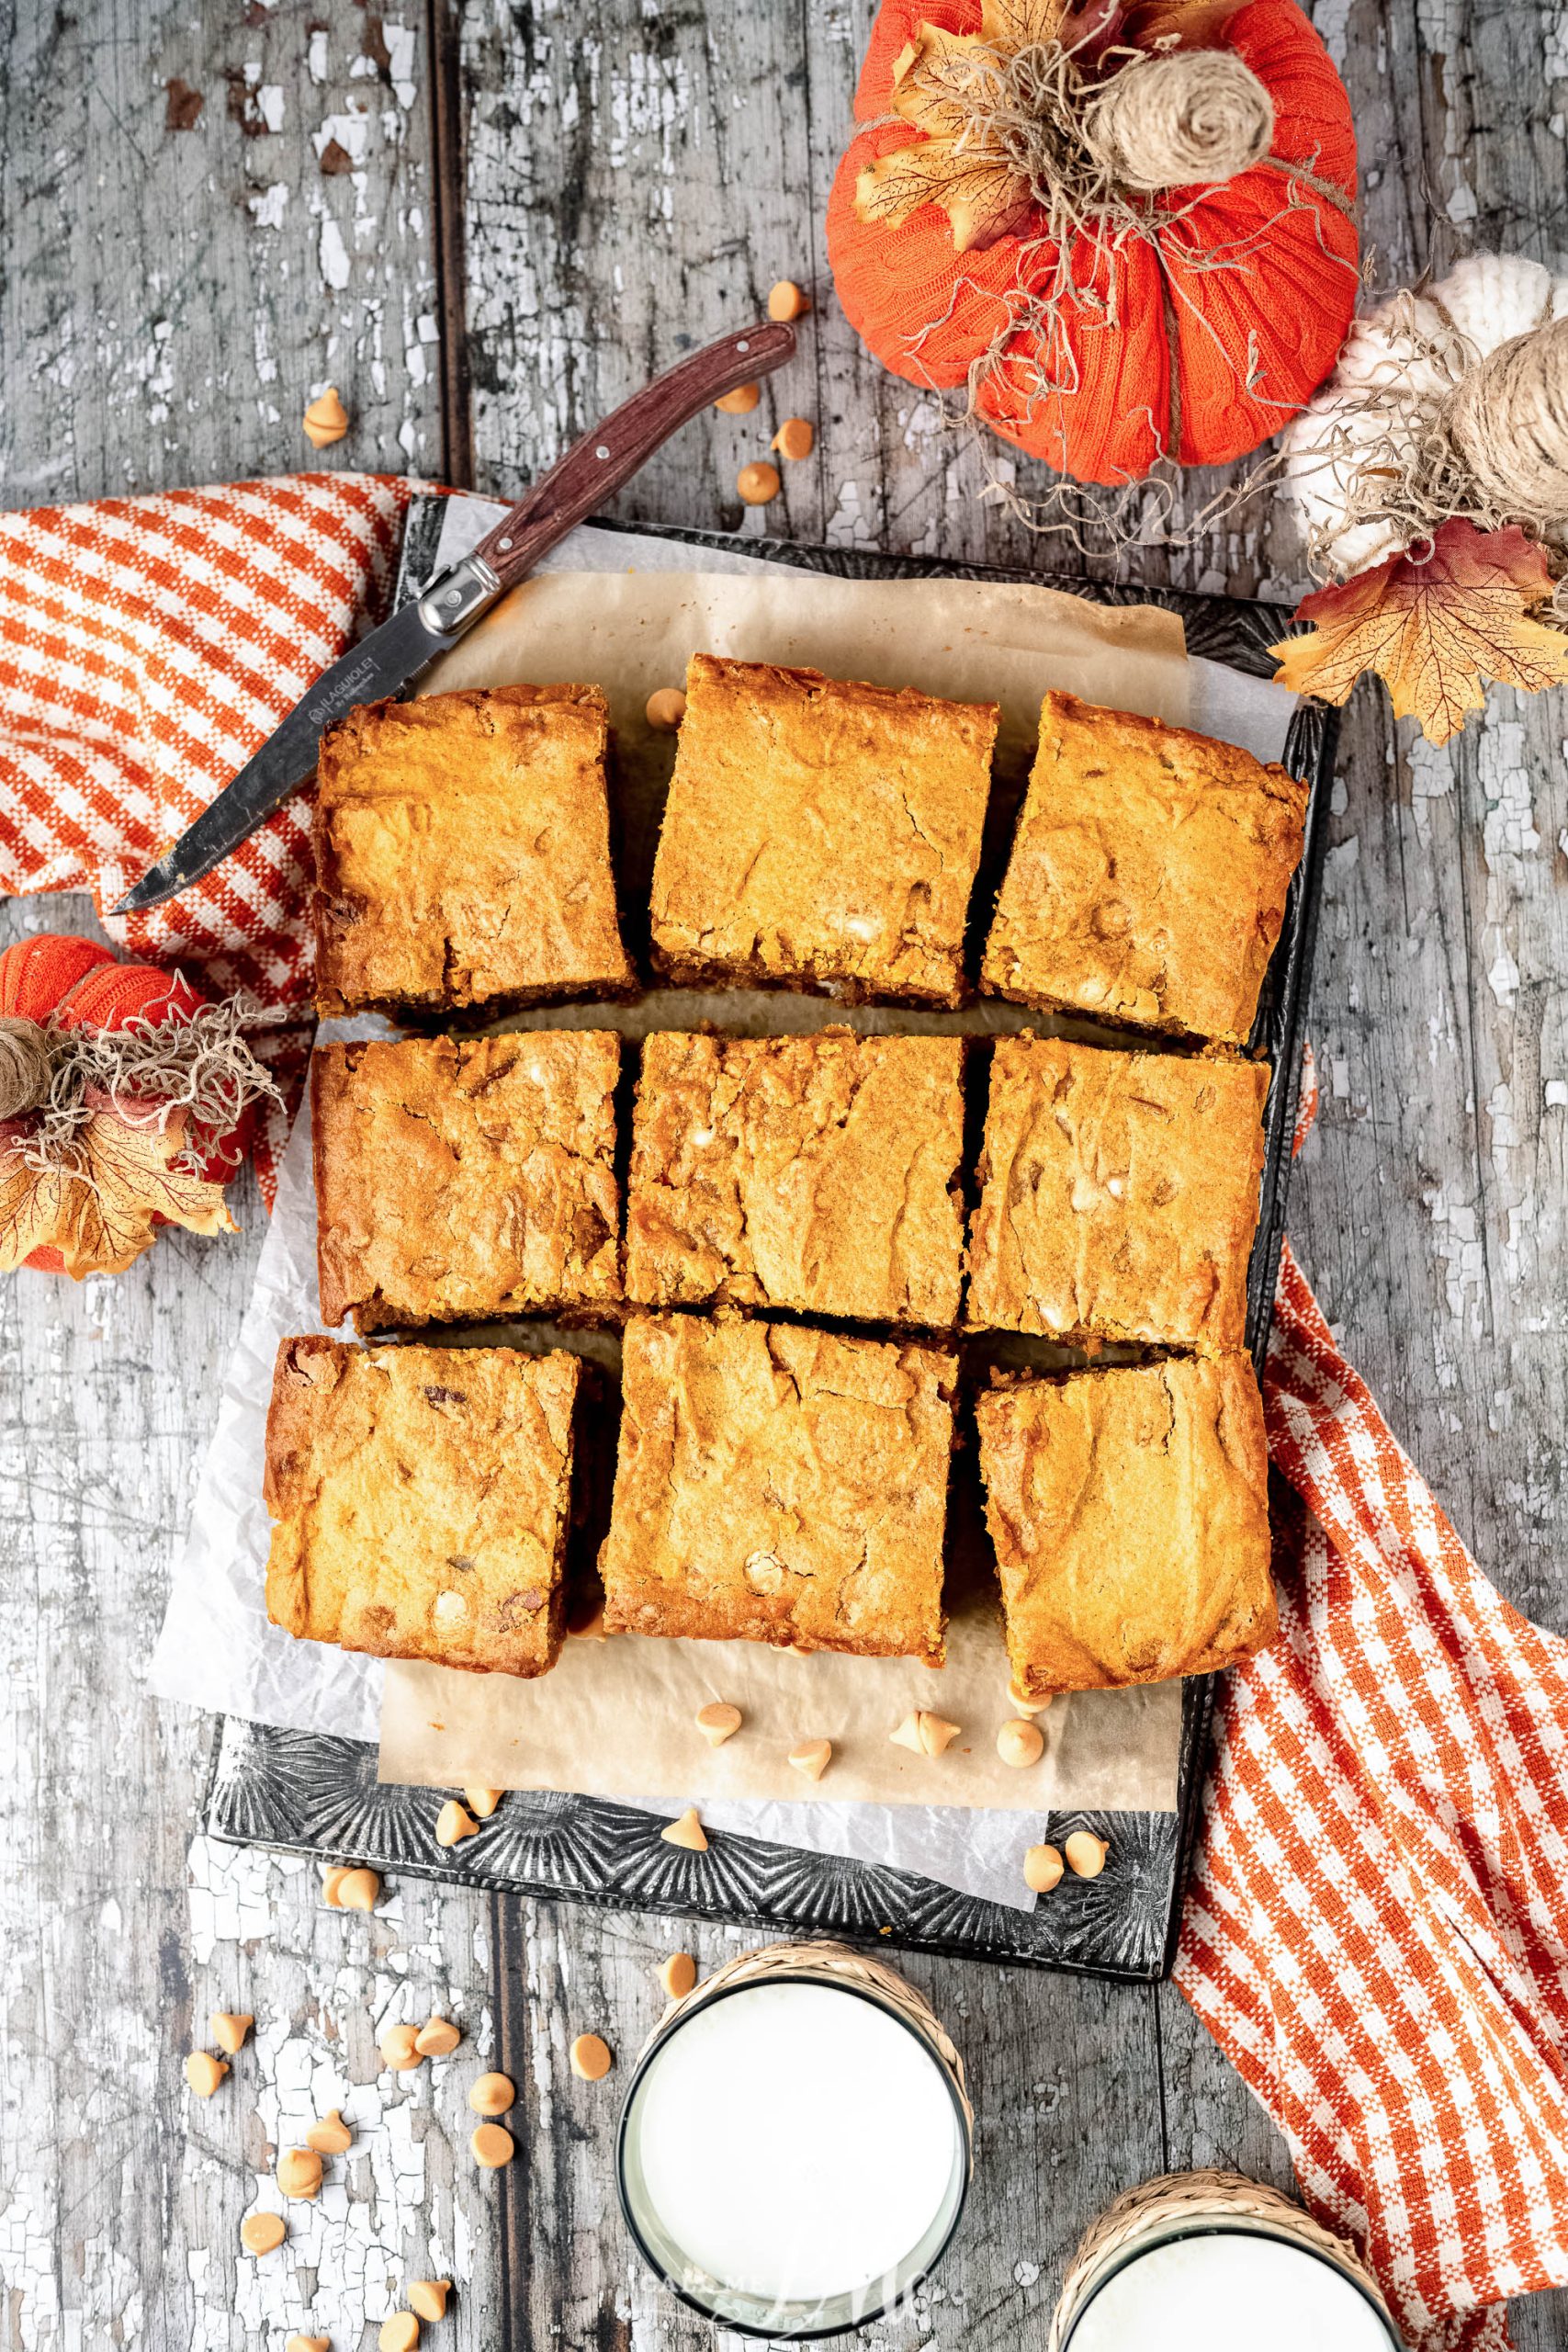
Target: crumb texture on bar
x=776, y=1484
x=820, y=831
x=819, y=1173
x=1148, y=874
x=421, y=1498
x=1119, y=1194
x=466, y=1178
x=462, y=852
x=1129, y=1509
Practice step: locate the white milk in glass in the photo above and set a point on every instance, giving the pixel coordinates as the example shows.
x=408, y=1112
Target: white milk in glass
x=1228, y=2292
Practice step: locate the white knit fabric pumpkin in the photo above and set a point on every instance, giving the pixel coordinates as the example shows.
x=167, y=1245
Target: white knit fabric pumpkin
x=1398, y=366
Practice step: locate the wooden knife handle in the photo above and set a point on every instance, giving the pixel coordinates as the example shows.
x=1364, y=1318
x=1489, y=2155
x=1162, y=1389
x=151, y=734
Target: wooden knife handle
x=596, y=466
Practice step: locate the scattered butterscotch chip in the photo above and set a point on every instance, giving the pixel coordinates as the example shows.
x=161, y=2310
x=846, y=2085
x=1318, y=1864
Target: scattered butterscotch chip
x=665, y=710
x=204, y=2073
x=228, y=2030
x=358, y=1891
x=587, y=1624
x=330, y=2136
x=259, y=2232
x=925, y=1734
x=438, y=2038
x=454, y=1823
x=482, y=1803
x=309, y=2343
x=758, y=482
x=331, y=1886
x=785, y=301
x=1042, y=1868
x=590, y=2059
x=678, y=1974
x=1020, y=1743
x=492, y=2146
x=812, y=1757
x=741, y=401
x=493, y=2094
x=428, y=2297
x=299, y=2173
x=400, y=2048
x=687, y=1831
x=1023, y=1702
x=795, y=437
x=718, y=1723
x=1086, y=1853
x=399, y=2334
x=326, y=420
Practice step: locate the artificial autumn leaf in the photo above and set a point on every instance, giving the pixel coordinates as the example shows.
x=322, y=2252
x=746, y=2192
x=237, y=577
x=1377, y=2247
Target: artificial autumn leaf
x=1434, y=630
x=104, y=1217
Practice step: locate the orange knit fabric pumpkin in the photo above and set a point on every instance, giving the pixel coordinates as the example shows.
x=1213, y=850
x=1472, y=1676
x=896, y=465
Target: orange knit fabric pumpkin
x=1194, y=338
x=61, y=982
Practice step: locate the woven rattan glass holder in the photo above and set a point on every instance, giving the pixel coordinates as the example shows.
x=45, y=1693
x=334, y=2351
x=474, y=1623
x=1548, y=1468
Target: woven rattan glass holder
x=1198, y=2204
x=861, y=1978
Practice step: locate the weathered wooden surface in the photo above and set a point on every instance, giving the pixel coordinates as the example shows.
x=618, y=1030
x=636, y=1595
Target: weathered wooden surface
x=634, y=177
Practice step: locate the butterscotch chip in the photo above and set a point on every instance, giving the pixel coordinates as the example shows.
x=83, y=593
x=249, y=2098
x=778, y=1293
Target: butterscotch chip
x=758, y=482
x=586, y=1622
x=454, y=1823
x=228, y=2030
x=1086, y=1853
x=358, y=1890
x=590, y=2059
x=1020, y=1743
x=492, y=2146
x=925, y=1734
x=400, y=2048
x=330, y=2136
x=493, y=2094
x=204, y=2073
x=482, y=1803
x=786, y=302
x=812, y=1757
x=718, y=1722
x=1042, y=1867
x=326, y=420
x=331, y=1887
x=399, y=2334
x=309, y=2343
x=665, y=710
x=795, y=437
x=678, y=1974
x=741, y=401
x=428, y=2297
x=260, y=2233
x=1023, y=1703
x=686, y=1830
x=438, y=2038
x=299, y=2173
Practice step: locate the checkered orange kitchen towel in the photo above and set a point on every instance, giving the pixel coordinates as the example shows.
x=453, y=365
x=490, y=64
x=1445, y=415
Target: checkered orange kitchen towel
x=147, y=647
x=1377, y=1931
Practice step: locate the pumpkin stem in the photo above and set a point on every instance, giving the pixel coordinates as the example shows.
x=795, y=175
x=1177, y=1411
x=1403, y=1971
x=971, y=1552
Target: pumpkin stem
x=26, y=1067
x=1185, y=117
x=1507, y=419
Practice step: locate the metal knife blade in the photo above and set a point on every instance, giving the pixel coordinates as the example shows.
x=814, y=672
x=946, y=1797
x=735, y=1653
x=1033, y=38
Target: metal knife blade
x=391, y=658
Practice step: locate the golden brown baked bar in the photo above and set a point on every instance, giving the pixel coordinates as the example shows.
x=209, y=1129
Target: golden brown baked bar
x=420, y=1497
x=820, y=1174
x=466, y=1177
x=821, y=833
x=1129, y=1509
x=777, y=1484
x=463, y=853
x=1147, y=877
x=1119, y=1194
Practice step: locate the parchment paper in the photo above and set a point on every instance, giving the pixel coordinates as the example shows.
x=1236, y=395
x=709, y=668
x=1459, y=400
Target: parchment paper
x=609, y=1719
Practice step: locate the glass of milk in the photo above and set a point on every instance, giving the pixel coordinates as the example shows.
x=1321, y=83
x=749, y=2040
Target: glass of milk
x=795, y=2144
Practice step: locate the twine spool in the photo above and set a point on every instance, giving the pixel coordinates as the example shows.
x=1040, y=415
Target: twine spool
x=1185, y=117
x=1158, y=2208
x=26, y=1067
x=1507, y=418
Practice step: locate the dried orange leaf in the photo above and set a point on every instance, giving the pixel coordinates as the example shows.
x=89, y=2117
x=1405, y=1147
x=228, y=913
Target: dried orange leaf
x=954, y=163
x=1021, y=24
x=103, y=1219
x=984, y=199
x=1433, y=630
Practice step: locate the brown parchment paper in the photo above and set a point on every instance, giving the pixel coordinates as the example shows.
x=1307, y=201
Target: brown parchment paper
x=615, y=1718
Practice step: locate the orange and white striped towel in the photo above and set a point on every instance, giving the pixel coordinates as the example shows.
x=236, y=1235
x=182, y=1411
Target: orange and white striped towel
x=1377, y=1928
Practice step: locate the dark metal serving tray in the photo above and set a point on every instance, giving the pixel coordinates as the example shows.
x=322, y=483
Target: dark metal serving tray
x=312, y=1793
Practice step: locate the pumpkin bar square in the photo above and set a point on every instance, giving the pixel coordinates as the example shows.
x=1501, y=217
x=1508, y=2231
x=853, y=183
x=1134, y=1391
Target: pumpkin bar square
x=819, y=833
x=1118, y=1194
x=779, y=1484
x=1129, y=1509
x=462, y=848
x=421, y=1497
x=464, y=1178
x=1147, y=879
x=819, y=1174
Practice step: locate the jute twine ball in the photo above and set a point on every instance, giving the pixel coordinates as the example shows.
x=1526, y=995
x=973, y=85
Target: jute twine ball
x=26, y=1066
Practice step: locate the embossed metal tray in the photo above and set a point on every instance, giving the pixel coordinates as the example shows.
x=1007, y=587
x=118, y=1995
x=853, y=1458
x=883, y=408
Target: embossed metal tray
x=310, y=1793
